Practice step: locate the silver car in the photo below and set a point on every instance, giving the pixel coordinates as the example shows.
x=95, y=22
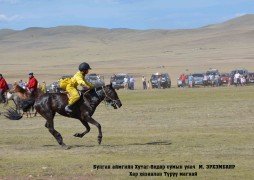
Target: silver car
x=198, y=79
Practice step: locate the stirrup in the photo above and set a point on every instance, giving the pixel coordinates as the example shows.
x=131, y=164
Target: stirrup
x=67, y=109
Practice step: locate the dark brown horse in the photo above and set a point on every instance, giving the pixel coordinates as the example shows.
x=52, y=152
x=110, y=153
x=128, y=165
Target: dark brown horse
x=47, y=105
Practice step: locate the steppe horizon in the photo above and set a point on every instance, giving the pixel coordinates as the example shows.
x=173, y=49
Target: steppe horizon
x=53, y=52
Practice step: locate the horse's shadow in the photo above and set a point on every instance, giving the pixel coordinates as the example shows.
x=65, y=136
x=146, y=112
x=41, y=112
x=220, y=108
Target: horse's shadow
x=160, y=143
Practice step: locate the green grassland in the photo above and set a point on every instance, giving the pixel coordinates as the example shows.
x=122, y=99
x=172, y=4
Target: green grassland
x=201, y=126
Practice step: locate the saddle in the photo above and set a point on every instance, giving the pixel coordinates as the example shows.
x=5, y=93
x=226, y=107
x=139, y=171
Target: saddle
x=83, y=93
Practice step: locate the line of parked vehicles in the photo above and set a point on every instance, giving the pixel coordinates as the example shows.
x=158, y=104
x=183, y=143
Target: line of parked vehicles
x=157, y=80
x=163, y=80
x=218, y=78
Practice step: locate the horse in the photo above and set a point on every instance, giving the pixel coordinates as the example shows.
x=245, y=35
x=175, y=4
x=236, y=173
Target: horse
x=22, y=99
x=47, y=105
x=19, y=104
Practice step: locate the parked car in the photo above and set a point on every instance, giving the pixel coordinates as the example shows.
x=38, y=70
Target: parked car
x=198, y=79
x=117, y=80
x=213, y=72
x=53, y=88
x=96, y=79
x=251, y=77
x=241, y=71
x=165, y=80
x=224, y=77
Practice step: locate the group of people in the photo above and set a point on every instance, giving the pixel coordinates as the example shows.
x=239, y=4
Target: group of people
x=238, y=79
x=31, y=86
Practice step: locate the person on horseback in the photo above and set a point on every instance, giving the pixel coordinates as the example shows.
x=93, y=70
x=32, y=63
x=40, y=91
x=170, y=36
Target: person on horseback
x=3, y=88
x=71, y=84
x=32, y=84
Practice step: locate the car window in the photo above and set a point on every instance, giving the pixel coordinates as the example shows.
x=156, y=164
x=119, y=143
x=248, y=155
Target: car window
x=197, y=75
x=224, y=75
x=154, y=76
x=119, y=77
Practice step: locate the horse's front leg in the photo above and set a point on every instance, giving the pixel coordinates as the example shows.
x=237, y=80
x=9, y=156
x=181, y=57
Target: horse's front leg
x=92, y=121
x=86, y=131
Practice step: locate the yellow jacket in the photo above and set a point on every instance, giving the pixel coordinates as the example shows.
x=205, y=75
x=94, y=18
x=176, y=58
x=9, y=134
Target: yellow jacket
x=76, y=80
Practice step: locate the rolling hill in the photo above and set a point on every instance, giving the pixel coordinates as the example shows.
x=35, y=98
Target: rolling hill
x=51, y=52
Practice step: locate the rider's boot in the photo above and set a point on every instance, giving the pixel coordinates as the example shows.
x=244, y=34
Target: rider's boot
x=68, y=108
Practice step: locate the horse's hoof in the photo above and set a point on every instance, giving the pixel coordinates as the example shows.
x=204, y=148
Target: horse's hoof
x=78, y=135
x=99, y=140
x=64, y=146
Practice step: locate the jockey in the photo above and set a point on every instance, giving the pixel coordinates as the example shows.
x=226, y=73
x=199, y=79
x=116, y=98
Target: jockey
x=3, y=87
x=32, y=84
x=71, y=84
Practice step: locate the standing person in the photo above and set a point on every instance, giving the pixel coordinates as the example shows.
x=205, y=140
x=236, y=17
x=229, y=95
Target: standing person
x=237, y=78
x=3, y=88
x=144, y=82
x=243, y=80
x=148, y=84
x=44, y=87
x=217, y=79
x=132, y=80
x=71, y=84
x=190, y=78
x=32, y=84
x=205, y=80
x=125, y=82
x=183, y=80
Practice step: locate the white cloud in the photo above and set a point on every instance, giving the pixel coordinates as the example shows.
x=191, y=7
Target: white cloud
x=6, y=18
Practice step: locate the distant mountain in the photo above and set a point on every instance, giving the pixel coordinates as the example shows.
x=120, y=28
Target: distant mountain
x=6, y=32
x=245, y=21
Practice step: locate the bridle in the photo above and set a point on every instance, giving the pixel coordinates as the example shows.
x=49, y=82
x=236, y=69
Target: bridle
x=113, y=101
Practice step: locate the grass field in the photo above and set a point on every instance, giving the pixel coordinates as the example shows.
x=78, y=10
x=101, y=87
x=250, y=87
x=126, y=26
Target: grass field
x=202, y=126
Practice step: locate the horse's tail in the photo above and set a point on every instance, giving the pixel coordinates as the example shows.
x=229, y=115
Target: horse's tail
x=12, y=114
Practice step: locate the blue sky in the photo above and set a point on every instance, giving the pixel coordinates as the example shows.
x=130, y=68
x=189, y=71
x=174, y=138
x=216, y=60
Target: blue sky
x=132, y=14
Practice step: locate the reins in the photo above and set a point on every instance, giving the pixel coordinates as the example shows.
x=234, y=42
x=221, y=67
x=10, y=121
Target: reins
x=106, y=96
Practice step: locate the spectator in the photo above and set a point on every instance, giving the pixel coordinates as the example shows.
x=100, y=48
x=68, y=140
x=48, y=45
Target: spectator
x=237, y=78
x=3, y=88
x=148, y=84
x=32, y=84
x=243, y=80
x=190, y=78
x=183, y=78
x=44, y=87
x=125, y=83
x=144, y=82
x=211, y=79
x=132, y=80
x=205, y=80
x=217, y=79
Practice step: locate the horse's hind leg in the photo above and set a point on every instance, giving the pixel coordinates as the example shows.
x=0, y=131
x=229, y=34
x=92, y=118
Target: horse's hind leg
x=85, y=132
x=92, y=121
x=49, y=116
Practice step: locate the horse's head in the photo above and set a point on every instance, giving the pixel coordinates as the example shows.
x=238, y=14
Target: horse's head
x=111, y=96
x=16, y=88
